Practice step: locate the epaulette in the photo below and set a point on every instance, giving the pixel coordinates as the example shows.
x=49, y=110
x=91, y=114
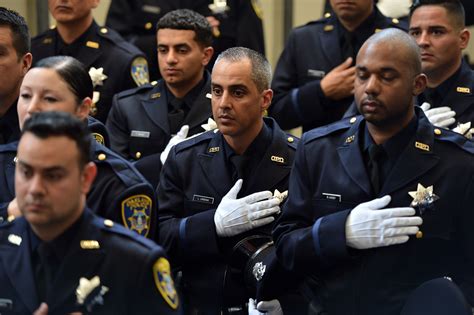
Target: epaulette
x=121, y=167
x=323, y=131
x=111, y=227
x=319, y=21
x=118, y=41
x=206, y=136
x=292, y=141
x=459, y=140
x=401, y=24
x=136, y=90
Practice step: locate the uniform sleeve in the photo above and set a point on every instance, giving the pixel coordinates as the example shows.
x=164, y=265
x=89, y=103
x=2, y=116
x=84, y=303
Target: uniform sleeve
x=117, y=126
x=156, y=292
x=122, y=195
x=465, y=279
x=182, y=235
x=294, y=105
x=306, y=241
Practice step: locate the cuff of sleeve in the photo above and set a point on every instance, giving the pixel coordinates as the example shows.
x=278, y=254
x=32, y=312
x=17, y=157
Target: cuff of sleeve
x=331, y=237
x=198, y=235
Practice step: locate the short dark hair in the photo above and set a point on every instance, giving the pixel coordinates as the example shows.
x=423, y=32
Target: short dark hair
x=73, y=72
x=56, y=124
x=185, y=19
x=261, y=69
x=19, y=29
x=453, y=7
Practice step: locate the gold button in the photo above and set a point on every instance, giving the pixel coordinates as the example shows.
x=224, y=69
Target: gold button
x=138, y=155
x=148, y=26
x=154, y=83
x=291, y=139
x=10, y=218
x=419, y=234
x=102, y=157
x=437, y=132
x=108, y=223
x=327, y=15
x=353, y=120
x=395, y=21
x=103, y=30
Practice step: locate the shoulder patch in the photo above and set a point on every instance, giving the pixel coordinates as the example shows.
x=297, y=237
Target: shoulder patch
x=331, y=128
x=455, y=138
x=164, y=282
x=206, y=136
x=99, y=138
x=139, y=71
x=136, y=212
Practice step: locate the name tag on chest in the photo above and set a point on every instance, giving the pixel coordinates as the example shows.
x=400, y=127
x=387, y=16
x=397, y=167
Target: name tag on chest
x=140, y=134
x=203, y=199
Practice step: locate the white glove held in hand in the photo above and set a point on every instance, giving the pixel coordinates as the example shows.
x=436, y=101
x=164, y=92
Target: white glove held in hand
x=440, y=116
x=369, y=225
x=234, y=216
x=179, y=137
x=272, y=307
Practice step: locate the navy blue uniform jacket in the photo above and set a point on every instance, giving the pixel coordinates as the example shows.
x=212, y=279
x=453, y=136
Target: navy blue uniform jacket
x=123, y=260
x=311, y=52
x=310, y=233
x=193, y=181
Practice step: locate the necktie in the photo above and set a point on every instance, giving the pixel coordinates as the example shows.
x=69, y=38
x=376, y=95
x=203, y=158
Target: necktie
x=376, y=152
x=43, y=270
x=238, y=161
x=176, y=115
x=348, y=49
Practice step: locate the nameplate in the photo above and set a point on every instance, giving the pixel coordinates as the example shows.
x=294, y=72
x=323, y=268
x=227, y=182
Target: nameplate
x=140, y=134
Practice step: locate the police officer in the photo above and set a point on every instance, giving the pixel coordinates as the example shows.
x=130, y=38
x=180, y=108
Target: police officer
x=314, y=77
x=216, y=190
x=14, y=61
x=350, y=221
x=142, y=121
x=114, y=64
x=119, y=192
x=59, y=253
x=235, y=23
x=438, y=28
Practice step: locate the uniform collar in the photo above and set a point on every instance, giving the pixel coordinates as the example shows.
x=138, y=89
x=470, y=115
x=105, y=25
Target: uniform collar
x=9, y=125
x=192, y=95
x=71, y=49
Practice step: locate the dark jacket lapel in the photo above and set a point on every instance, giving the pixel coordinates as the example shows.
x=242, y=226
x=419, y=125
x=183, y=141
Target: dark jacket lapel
x=214, y=167
x=330, y=43
x=351, y=158
x=18, y=266
x=417, y=158
x=90, y=54
x=156, y=107
x=275, y=164
x=78, y=263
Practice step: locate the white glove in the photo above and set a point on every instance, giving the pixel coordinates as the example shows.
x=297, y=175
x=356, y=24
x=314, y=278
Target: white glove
x=179, y=137
x=272, y=307
x=369, y=225
x=440, y=116
x=234, y=216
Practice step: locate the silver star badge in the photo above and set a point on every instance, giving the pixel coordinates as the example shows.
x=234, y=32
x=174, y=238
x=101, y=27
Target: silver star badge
x=97, y=76
x=87, y=287
x=280, y=195
x=258, y=270
x=211, y=125
x=423, y=197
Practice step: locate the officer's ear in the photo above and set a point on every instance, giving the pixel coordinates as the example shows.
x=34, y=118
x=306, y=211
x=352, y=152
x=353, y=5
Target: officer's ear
x=419, y=84
x=84, y=108
x=267, y=96
x=89, y=173
x=26, y=61
x=207, y=55
x=464, y=36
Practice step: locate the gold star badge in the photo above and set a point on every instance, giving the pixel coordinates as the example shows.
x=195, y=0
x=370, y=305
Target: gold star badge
x=97, y=76
x=423, y=197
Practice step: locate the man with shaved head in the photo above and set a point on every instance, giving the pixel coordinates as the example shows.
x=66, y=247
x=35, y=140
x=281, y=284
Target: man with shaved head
x=382, y=202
